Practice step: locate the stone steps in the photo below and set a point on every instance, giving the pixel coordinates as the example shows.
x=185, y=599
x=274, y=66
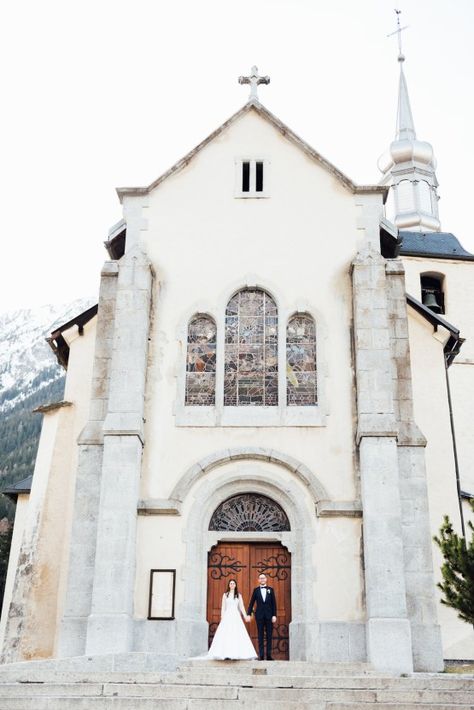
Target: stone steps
x=52, y=696
x=280, y=667
x=416, y=682
x=226, y=685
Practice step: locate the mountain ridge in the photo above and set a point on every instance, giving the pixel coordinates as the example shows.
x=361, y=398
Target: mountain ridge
x=30, y=376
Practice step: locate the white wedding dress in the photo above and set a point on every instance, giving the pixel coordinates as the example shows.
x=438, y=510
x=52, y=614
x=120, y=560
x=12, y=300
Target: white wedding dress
x=231, y=639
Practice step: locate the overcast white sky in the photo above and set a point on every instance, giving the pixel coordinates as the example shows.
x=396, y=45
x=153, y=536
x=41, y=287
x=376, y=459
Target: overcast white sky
x=105, y=93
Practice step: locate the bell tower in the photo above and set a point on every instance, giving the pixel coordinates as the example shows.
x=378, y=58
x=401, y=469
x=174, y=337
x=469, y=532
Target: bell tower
x=409, y=166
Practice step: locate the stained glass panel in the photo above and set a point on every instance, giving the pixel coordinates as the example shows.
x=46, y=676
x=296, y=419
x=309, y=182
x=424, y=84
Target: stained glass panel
x=251, y=351
x=201, y=362
x=301, y=383
x=249, y=512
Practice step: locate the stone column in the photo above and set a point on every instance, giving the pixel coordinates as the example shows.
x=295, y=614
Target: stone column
x=416, y=532
x=110, y=621
x=73, y=631
x=388, y=628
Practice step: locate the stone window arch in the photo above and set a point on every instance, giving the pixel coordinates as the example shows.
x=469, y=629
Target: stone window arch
x=251, y=349
x=249, y=512
x=301, y=375
x=201, y=361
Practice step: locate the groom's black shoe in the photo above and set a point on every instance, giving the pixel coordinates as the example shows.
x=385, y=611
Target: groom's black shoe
x=269, y=658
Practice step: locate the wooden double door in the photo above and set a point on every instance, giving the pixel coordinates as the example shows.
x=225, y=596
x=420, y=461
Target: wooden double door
x=244, y=562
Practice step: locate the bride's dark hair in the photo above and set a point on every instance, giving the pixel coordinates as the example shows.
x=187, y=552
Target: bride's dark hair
x=236, y=591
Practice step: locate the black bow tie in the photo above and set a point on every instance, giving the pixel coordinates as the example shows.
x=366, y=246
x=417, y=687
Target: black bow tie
x=263, y=587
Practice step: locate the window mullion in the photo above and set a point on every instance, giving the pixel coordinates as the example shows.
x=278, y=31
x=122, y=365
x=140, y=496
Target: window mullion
x=253, y=177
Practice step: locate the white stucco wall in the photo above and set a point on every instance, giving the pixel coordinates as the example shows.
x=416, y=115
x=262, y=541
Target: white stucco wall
x=298, y=244
x=432, y=416
x=459, y=297
x=77, y=391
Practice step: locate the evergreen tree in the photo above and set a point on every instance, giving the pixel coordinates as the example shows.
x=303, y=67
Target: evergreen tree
x=458, y=569
x=5, y=542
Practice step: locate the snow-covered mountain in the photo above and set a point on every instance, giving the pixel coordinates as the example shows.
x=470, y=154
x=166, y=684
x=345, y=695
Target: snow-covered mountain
x=27, y=362
x=29, y=376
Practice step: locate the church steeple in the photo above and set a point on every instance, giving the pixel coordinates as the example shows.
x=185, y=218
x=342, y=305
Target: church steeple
x=405, y=125
x=408, y=167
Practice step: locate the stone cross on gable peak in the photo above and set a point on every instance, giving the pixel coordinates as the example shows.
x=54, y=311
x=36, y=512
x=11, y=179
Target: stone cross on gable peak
x=254, y=80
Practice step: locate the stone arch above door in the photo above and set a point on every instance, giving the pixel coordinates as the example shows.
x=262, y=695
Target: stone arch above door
x=292, y=495
x=219, y=458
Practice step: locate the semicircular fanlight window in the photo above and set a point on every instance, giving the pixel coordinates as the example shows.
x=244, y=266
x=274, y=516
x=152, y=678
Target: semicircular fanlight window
x=249, y=512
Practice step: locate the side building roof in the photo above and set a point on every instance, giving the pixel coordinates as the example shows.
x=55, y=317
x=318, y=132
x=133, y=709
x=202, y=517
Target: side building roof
x=57, y=341
x=23, y=486
x=454, y=342
x=435, y=245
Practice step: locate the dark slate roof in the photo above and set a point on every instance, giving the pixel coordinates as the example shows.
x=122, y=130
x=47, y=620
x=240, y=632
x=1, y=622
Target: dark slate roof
x=56, y=340
x=23, y=486
x=438, y=245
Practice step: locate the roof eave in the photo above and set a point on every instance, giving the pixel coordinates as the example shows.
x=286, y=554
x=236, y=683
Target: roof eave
x=444, y=257
x=454, y=342
x=56, y=340
x=283, y=129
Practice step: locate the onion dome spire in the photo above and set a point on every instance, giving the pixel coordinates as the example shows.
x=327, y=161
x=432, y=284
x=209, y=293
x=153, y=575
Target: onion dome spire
x=409, y=166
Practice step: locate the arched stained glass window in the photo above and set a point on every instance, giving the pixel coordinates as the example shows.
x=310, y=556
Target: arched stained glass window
x=201, y=361
x=251, y=350
x=249, y=512
x=301, y=385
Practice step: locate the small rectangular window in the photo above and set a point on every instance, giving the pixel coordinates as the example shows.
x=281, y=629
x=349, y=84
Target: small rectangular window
x=249, y=177
x=259, y=176
x=245, y=176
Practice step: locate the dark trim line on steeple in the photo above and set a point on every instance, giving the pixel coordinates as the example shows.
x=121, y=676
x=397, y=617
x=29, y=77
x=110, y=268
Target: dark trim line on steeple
x=454, y=343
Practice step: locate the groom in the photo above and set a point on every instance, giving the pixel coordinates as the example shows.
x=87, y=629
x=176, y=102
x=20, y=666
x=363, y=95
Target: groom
x=265, y=614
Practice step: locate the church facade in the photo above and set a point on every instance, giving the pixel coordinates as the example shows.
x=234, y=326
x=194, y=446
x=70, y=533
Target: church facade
x=261, y=388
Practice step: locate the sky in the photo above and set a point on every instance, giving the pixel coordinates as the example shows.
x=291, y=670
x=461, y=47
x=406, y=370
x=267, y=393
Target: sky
x=104, y=93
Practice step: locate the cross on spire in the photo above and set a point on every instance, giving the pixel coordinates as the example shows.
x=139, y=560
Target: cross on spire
x=398, y=32
x=254, y=80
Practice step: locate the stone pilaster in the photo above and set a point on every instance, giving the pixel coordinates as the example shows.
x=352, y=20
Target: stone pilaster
x=110, y=622
x=72, y=637
x=416, y=533
x=388, y=629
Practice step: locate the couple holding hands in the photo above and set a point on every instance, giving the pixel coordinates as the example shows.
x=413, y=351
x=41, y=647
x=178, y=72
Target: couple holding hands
x=231, y=640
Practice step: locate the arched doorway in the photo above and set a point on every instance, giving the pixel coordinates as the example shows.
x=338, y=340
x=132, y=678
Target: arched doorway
x=244, y=561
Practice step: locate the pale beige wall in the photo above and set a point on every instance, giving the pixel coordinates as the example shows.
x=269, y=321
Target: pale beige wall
x=459, y=302
x=18, y=527
x=339, y=587
x=39, y=585
x=78, y=391
x=298, y=244
x=432, y=416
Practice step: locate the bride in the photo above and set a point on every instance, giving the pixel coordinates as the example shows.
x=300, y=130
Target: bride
x=231, y=639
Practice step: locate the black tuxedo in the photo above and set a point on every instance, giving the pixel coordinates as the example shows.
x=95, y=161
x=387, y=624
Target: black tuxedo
x=263, y=616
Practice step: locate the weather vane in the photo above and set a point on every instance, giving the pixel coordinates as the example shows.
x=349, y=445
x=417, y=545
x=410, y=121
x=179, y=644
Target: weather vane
x=398, y=32
x=254, y=80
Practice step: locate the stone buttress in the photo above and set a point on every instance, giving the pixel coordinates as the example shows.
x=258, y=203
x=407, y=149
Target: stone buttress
x=401, y=629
